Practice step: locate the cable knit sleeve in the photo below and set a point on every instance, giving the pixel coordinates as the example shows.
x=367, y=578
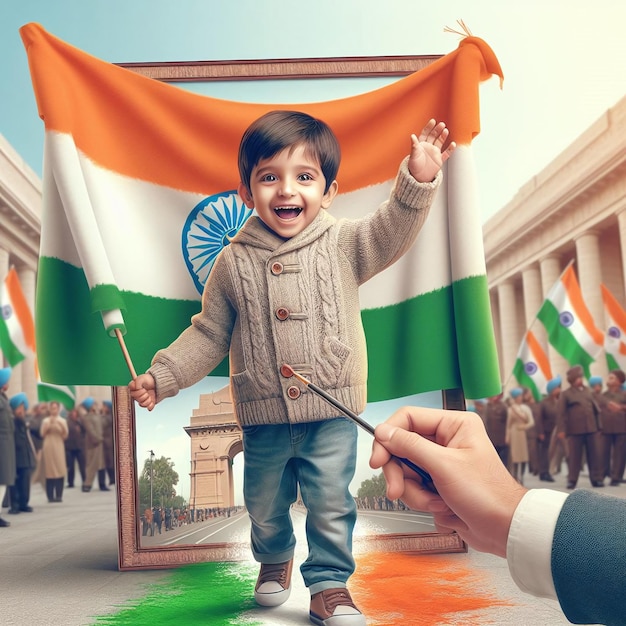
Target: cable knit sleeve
x=201, y=347
x=378, y=240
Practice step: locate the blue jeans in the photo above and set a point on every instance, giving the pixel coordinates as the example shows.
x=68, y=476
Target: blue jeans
x=321, y=458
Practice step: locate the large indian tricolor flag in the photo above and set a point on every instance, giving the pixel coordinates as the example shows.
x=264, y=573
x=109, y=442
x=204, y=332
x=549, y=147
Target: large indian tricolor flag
x=569, y=323
x=139, y=198
x=615, y=335
x=532, y=366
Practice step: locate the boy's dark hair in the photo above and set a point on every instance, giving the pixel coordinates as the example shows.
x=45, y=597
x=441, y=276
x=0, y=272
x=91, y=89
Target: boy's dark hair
x=277, y=130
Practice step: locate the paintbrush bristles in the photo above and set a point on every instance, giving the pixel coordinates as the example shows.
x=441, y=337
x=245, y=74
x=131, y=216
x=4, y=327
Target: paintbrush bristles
x=301, y=378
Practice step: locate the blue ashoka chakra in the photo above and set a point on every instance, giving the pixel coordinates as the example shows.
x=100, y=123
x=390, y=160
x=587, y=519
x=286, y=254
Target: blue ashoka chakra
x=209, y=228
x=530, y=368
x=566, y=319
x=6, y=311
x=614, y=332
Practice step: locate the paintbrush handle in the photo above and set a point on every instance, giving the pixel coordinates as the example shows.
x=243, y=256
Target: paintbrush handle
x=342, y=408
x=425, y=477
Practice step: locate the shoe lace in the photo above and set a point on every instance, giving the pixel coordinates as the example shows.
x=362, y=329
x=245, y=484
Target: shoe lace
x=273, y=572
x=337, y=597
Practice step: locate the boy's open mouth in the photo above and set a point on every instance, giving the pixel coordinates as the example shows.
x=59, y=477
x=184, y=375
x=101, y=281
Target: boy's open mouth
x=287, y=213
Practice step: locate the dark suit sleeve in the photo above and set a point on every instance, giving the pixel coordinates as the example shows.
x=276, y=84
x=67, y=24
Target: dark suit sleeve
x=589, y=559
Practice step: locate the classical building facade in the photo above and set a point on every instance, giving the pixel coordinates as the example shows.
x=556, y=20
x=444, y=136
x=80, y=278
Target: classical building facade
x=574, y=209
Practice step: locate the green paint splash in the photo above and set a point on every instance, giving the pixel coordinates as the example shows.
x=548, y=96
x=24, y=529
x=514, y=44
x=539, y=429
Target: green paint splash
x=204, y=593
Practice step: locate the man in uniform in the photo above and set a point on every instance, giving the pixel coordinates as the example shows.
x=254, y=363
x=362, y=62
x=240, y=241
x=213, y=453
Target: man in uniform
x=495, y=423
x=577, y=419
x=613, y=426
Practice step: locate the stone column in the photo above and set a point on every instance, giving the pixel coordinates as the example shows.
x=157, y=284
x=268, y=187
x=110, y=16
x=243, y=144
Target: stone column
x=27, y=366
x=550, y=268
x=589, y=271
x=508, y=328
x=533, y=299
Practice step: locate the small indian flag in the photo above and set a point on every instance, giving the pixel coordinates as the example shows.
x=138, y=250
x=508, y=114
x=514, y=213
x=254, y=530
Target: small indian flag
x=17, y=329
x=139, y=197
x=614, y=338
x=532, y=366
x=570, y=326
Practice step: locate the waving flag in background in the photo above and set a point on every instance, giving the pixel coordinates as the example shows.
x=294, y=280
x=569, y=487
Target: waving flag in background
x=17, y=329
x=614, y=338
x=570, y=326
x=139, y=197
x=532, y=366
x=48, y=392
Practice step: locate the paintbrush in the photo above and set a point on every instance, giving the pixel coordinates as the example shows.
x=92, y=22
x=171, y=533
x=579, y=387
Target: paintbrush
x=425, y=477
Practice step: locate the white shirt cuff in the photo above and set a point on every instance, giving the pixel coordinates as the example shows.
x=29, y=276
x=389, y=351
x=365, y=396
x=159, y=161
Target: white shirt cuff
x=529, y=545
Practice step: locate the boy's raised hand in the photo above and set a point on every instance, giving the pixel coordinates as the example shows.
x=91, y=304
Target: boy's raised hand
x=427, y=153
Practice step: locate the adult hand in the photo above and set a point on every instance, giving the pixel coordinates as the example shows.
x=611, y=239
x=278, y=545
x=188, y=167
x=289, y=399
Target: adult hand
x=477, y=495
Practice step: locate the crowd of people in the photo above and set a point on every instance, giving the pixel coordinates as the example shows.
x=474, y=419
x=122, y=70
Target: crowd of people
x=581, y=423
x=46, y=443
x=157, y=519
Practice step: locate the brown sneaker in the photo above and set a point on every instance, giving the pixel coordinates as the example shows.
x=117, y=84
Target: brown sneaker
x=273, y=585
x=334, y=607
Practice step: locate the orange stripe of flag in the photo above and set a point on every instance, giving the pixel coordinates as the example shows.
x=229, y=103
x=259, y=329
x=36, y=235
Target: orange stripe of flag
x=21, y=308
x=580, y=308
x=540, y=356
x=617, y=313
x=83, y=96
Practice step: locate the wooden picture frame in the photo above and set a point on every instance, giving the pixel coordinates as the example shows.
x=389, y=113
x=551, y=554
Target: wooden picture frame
x=132, y=555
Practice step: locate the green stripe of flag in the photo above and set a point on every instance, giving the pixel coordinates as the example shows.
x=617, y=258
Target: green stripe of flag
x=480, y=374
x=65, y=395
x=9, y=349
x=611, y=362
x=523, y=379
x=404, y=358
x=562, y=338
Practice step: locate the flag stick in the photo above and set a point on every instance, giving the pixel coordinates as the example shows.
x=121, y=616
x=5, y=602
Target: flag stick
x=127, y=358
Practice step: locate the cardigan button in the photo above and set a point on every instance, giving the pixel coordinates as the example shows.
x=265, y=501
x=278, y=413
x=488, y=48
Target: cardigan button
x=293, y=392
x=286, y=371
x=277, y=268
x=282, y=313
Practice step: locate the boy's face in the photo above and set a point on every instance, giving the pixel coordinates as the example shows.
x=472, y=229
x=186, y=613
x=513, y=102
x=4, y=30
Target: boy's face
x=287, y=191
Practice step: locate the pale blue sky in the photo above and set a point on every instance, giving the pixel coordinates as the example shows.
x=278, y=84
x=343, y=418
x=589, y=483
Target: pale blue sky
x=563, y=60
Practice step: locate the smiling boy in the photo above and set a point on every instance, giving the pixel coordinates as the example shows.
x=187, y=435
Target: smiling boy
x=285, y=292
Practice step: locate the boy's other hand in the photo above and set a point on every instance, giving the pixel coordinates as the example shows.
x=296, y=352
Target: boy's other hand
x=143, y=391
x=427, y=153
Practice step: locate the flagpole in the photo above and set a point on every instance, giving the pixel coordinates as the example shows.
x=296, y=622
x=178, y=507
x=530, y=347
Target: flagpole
x=129, y=363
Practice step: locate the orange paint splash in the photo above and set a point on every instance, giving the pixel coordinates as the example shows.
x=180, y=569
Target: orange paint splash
x=399, y=588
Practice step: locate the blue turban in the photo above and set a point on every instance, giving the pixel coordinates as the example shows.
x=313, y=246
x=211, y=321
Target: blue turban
x=5, y=375
x=595, y=380
x=554, y=383
x=87, y=403
x=516, y=392
x=18, y=399
x=107, y=403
